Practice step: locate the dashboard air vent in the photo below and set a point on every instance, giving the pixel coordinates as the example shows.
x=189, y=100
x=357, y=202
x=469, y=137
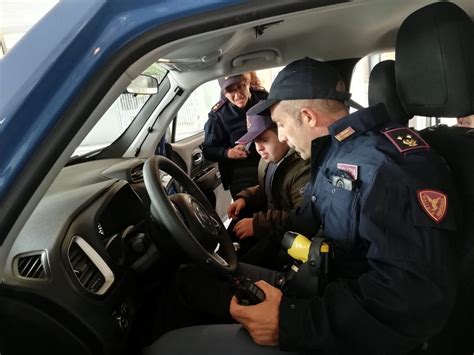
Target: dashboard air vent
x=136, y=175
x=31, y=266
x=89, y=268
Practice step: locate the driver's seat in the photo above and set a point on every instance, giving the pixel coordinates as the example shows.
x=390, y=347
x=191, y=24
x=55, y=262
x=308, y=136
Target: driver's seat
x=434, y=71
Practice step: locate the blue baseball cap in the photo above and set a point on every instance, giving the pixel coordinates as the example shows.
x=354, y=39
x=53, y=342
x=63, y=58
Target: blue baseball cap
x=256, y=125
x=303, y=79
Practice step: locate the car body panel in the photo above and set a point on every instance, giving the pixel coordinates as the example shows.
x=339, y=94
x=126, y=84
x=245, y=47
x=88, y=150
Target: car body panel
x=80, y=46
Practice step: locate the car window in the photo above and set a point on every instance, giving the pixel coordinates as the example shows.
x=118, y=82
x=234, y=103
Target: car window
x=360, y=89
x=360, y=76
x=118, y=117
x=193, y=114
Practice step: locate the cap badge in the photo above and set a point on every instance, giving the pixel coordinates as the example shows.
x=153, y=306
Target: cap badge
x=344, y=134
x=434, y=203
x=248, y=124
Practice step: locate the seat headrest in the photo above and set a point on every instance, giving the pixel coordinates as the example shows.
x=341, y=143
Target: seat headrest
x=434, y=62
x=383, y=89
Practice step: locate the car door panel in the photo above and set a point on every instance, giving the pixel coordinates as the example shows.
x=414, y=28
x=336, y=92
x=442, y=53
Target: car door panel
x=187, y=153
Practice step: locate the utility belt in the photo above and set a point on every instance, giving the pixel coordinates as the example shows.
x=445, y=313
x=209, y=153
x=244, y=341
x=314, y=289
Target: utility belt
x=311, y=270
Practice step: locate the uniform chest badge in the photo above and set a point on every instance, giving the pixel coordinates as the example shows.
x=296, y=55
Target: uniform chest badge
x=434, y=203
x=352, y=170
x=405, y=139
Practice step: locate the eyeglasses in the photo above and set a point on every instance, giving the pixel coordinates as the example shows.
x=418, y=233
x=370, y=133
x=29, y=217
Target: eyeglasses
x=231, y=90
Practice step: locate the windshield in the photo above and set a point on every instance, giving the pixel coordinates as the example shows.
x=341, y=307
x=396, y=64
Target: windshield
x=118, y=117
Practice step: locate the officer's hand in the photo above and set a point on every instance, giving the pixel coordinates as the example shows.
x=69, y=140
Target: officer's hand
x=261, y=320
x=244, y=228
x=235, y=208
x=238, y=152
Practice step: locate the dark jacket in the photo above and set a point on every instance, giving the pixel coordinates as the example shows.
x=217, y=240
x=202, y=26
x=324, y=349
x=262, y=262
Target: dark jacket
x=393, y=226
x=288, y=184
x=226, y=124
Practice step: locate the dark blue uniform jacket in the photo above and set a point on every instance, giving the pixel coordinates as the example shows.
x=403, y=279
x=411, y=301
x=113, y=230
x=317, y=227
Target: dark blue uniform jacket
x=226, y=124
x=395, y=265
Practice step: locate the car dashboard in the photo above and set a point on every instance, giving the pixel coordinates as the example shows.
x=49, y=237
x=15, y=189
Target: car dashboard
x=79, y=255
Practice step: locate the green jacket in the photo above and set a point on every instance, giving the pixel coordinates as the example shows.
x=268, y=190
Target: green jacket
x=288, y=184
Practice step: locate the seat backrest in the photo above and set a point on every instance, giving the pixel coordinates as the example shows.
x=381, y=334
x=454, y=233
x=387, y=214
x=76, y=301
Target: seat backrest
x=383, y=89
x=434, y=71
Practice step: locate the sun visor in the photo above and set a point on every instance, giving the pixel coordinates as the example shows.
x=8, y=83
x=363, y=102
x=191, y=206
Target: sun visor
x=435, y=62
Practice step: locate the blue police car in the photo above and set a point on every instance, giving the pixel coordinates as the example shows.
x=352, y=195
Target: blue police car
x=100, y=93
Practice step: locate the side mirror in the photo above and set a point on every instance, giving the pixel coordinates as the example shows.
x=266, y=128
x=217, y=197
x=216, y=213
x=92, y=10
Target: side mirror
x=143, y=85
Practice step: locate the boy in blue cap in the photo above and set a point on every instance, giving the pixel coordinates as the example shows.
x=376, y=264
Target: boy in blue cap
x=282, y=176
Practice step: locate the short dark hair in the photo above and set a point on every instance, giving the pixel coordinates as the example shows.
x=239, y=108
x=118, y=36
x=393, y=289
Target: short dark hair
x=273, y=128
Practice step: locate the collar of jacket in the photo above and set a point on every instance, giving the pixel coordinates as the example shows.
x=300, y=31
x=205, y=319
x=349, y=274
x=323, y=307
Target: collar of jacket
x=262, y=166
x=351, y=126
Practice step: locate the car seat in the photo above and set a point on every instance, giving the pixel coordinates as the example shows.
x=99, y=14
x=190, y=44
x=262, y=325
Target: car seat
x=383, y=89
x=434, y=71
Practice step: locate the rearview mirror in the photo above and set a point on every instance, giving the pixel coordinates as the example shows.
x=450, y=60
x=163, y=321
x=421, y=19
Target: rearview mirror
x=143, y=85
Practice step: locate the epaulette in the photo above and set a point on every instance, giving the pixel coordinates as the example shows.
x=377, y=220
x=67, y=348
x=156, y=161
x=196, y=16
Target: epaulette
x=405, y=139
x=217, y=106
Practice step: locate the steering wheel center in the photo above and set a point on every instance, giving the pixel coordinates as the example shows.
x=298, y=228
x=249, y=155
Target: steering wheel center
x=189, y=217
x=205, y=220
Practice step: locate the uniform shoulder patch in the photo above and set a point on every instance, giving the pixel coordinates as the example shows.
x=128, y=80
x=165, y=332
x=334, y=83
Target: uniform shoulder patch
x=217, y=106
x=405, y=139
x=434, y=203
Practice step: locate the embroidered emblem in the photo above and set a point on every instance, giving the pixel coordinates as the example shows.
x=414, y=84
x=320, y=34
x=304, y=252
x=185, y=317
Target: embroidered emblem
x=405, y=139
x=344, y=134
x=352, y=170
x=408, y=140
x=434, y=203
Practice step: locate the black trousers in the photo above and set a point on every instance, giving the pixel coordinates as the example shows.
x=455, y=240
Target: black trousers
x=206, y=296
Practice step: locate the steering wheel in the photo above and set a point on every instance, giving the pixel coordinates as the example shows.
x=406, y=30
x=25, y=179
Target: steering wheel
x=189, y=217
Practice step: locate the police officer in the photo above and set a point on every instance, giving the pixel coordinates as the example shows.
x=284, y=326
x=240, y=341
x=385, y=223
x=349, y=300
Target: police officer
x=385, y=200
x=226, y=124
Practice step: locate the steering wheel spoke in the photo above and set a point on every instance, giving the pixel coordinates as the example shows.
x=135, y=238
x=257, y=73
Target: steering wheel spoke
x=218, y=258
